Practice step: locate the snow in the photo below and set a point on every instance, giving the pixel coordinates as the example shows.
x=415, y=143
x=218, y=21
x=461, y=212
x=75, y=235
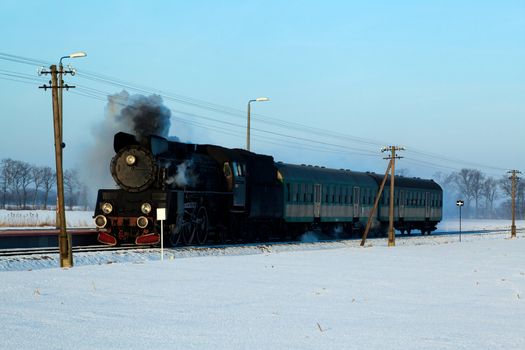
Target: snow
x=425, y=293
x=44, y=219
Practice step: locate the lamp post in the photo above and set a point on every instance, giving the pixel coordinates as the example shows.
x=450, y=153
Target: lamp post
x=259, y=99
x=460, y=203
x=56, y=86
x=60, y=123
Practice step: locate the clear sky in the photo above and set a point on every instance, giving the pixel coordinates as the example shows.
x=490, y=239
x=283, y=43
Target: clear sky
x=445, y=79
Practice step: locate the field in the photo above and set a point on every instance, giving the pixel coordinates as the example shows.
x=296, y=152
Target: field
x=425, y=293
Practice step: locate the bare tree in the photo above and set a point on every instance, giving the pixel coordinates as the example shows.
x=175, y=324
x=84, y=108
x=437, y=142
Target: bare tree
x=48, y=181
x=36, y=172
x=463, y=182
x=25, y=179
x=477, y=181
x=7, y=177
x=20, y=181
x=71, y=184
x=490, y=192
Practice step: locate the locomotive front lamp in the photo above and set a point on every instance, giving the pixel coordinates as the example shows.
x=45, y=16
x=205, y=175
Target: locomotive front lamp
x=107, y=208
x=101, y=221
x=146, y=208
x=258, y=99
x=131, y=160
x=142, y=222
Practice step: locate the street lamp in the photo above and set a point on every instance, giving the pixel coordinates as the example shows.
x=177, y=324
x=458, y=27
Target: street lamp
x=61, y=84
x=259, y=99
x=460, y=203
x=65, y=247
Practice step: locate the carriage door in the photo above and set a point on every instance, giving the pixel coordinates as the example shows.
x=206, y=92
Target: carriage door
x=317, y=201
x=239, y=185
x=357, y=193
x=402, y=202
x=427, y=204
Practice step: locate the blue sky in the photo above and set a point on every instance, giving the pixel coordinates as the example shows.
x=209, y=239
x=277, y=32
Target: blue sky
x=446, y=79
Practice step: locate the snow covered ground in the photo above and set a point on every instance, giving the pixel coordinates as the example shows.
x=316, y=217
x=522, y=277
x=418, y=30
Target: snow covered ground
x=425, y=293
x=43, y=219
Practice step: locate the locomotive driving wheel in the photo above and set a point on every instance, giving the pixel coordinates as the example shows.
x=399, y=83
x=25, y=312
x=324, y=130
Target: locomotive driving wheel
x=174, y=234
x=188, y=232
x=200, y=226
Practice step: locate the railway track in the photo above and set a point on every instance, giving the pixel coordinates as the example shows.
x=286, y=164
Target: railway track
x=103, y=248
x=54, y=250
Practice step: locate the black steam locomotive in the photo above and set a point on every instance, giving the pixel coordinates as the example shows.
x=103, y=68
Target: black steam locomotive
x=215, y=193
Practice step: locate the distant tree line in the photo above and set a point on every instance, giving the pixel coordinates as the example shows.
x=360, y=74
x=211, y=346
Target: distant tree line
x=27, y=186
x=485, y=197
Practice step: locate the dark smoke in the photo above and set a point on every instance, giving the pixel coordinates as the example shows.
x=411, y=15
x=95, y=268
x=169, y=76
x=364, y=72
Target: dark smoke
x=145, y=115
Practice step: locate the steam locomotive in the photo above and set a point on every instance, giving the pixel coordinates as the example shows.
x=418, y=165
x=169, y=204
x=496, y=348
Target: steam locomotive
x=212, y=193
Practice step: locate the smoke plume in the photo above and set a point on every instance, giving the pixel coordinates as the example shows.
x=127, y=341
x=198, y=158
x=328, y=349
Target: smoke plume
x=141, y=115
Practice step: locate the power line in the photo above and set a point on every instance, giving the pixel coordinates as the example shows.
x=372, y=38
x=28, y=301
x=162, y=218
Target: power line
x=104, y=79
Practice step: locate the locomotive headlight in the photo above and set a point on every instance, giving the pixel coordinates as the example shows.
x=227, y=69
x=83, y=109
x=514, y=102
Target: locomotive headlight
x=131, y=160
x=100, y=221
x=107, y=208
x=142, y=222
x=145, y=208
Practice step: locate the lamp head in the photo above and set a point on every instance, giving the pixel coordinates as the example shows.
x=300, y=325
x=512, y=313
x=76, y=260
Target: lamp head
x=78, y=54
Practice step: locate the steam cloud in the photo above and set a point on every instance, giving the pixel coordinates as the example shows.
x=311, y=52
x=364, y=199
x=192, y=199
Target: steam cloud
x=184, y=176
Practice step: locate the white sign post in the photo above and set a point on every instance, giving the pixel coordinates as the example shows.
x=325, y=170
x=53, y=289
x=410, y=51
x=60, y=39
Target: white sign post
x=161, y=216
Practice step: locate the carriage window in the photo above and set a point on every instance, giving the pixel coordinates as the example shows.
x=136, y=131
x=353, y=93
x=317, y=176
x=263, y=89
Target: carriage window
x=288, y=192
x=355, y=196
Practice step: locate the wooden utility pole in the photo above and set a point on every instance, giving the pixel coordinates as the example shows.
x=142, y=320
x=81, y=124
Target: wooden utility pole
x=369, y=223
x=392, y=158
x=64, y=239
x=514, y=178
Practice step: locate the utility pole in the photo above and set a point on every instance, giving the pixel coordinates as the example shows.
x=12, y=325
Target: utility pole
x=376, y=202
x=392, y=157
x=64, y=238
x=514, y=178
